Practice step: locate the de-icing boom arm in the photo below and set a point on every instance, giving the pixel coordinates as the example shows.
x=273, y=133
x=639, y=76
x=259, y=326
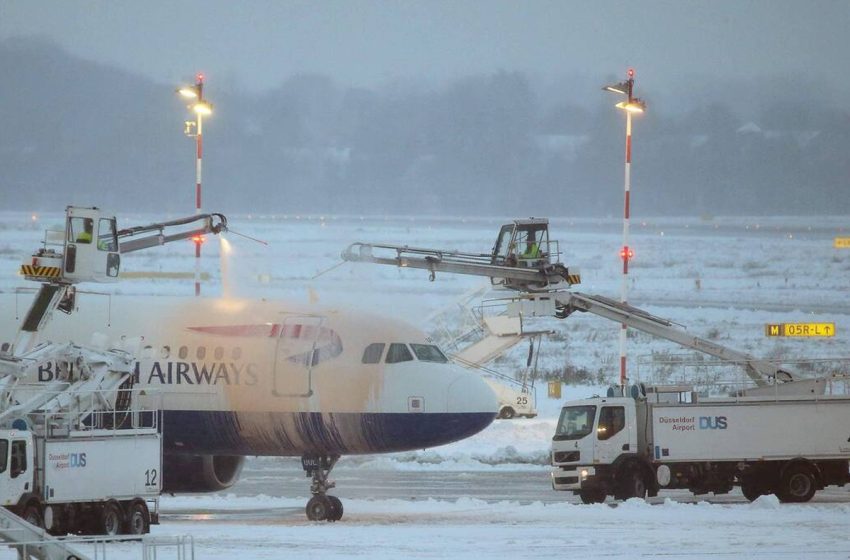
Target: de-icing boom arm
x=212, y=223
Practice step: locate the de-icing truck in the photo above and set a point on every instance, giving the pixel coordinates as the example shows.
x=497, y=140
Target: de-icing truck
x=671, y=438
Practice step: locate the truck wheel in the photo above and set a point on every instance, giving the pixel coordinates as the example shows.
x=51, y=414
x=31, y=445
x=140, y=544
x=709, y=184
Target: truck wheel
x=592, y=495
x=634, y=485
x=798, y=485
x=750, y=490
x=507, y=413
x=138, y=520
x=32, y=515
x=110, y=520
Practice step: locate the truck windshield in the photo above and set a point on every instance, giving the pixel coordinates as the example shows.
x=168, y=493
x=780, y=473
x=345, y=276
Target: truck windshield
x=575, y=422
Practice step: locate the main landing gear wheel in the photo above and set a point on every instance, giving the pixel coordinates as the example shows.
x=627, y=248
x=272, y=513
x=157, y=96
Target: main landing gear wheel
x=324, y=508
x=321, y=507
x=336, y=510
x=318, y=508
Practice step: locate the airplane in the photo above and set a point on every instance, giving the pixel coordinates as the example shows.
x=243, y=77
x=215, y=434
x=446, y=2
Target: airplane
x=264, y=378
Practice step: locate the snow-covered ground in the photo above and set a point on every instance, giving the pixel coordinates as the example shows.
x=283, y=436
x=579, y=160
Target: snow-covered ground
x=722, y=278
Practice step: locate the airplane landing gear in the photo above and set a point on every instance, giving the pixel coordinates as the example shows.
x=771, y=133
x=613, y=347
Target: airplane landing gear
x=321, y=507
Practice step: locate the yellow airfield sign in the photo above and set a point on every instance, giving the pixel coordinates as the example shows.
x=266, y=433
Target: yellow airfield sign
x=842, y=242
x=800, y=329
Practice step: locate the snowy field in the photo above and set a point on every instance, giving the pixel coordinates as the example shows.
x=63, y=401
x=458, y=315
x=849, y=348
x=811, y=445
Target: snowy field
x=722, y=278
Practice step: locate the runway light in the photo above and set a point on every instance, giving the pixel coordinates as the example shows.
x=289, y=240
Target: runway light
x=633, y=106
x=202, y=108
x=626, y=253
x=622, y=87
x=190, y=92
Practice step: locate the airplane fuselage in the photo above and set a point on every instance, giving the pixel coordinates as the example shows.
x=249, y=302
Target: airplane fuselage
x=239, y=377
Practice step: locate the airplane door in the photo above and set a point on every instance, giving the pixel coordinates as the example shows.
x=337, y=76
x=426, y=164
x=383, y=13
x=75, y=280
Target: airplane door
x=296, y=355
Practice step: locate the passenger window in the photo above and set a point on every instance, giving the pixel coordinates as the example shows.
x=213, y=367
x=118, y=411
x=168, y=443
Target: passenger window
x=183, y=352
x=165, y=353
x=612, y=420
x=201, y=353
x=429, y=353
x=218, y=353
x=373, y=353
x=398, y=353
x=4, y=454
x=237, y=353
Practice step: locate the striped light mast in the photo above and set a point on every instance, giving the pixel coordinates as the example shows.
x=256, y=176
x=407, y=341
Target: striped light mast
x=630, y=105
x=195, y=129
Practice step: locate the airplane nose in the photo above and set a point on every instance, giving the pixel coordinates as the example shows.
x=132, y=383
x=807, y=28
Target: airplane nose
x=469, y=393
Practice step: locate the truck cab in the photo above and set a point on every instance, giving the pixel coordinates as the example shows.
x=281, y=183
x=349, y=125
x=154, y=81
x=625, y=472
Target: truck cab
x=16, y=466
x=595, y=439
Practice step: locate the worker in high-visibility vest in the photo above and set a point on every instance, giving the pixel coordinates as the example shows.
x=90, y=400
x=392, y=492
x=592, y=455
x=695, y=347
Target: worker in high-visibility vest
x=85, y=236
x=532, y=250
x=531, y=255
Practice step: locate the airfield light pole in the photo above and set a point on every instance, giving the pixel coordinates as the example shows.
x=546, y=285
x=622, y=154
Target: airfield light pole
x=201, y=108
x=631, y=105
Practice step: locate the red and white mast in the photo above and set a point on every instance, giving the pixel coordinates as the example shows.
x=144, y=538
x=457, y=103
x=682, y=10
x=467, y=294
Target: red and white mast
x=199, y=140
x=631, y=105
x=200, y=107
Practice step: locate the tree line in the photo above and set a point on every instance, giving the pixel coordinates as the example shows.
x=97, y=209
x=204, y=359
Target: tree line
x=482, y=144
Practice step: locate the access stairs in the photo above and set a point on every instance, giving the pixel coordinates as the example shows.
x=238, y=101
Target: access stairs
x=34, y=542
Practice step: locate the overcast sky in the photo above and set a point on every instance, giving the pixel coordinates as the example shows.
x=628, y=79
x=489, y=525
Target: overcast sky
x=255, y=45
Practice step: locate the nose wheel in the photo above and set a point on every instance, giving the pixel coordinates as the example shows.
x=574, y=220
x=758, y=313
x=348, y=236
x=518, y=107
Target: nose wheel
x=321, y=507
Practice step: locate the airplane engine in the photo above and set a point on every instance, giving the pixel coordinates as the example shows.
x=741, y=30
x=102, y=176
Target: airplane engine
x=200, y=473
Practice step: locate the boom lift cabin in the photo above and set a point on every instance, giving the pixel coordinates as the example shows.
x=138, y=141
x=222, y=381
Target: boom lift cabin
x=523, y=258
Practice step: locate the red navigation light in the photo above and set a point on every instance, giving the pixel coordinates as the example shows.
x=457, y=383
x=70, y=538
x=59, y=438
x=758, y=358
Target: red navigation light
x=200, y=77
x=198, y=239
x=626, y=253
x=631, y=72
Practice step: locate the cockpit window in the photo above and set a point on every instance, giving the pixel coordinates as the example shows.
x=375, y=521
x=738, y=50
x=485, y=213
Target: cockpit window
x=398, y=353
x=4, y=454
x=429, y=353
x=373, y=353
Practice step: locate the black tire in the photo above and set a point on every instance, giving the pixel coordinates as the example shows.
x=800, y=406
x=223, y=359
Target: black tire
x=633, y=485
x=798, y=484
x=138, y=521
x=336, y=509
x=592, y=495
x=110, y=520
x=751, y=490
x=507, y=413
x=318, y=508
x=32, y=515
